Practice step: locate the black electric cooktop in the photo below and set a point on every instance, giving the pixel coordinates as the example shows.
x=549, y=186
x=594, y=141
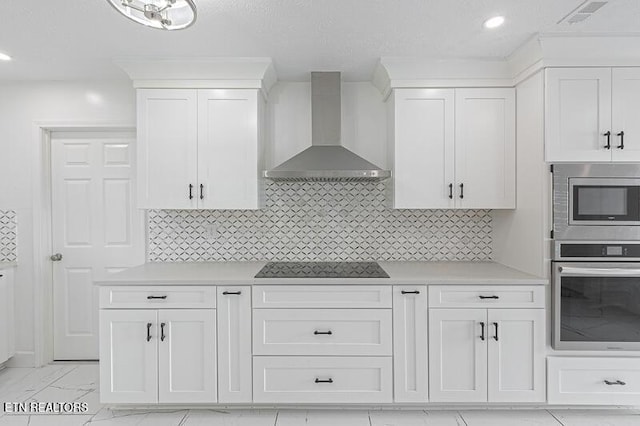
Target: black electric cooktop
x=322, y=270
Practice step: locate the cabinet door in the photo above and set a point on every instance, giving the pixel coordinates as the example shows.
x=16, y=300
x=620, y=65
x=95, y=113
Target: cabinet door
x=485, y=149
x=128, y=356
x=187, y=356
x=458, y=355
x=6, y=317
x=578, y=114
x=516, y=355
x=234, y=344
x=411, y=379
x=229, y=150
x=422, y=148
x=167, y=148
x=625, y=113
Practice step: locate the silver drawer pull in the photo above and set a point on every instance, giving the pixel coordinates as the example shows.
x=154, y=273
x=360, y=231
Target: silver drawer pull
x=489, y=297
x=409, y=292
x=156, y=297
x=329, y=380
x=617, y=382
x=329, y=332
x=229, y=293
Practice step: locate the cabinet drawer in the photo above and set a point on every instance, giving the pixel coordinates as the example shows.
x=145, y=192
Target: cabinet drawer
x=596, y=381
x=483, y=296
x=154, y=297
x=322, y=332
x=322, y=296
x=338, y=380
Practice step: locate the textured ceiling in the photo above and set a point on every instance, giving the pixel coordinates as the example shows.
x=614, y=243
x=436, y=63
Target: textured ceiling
x=77, y=39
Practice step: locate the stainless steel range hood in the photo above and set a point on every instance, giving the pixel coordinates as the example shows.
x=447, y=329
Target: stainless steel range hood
x=326, y=159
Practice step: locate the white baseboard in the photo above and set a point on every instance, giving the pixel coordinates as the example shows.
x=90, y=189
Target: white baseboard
x=22, y=359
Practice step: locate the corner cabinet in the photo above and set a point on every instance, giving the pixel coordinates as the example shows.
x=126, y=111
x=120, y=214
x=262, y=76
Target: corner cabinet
x=591, y=114
x=452, y=148
x=199, y=148
x=486, y=344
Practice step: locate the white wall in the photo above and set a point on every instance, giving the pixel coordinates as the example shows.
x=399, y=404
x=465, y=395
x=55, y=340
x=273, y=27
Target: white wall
x=521, y=236
x=22, y=104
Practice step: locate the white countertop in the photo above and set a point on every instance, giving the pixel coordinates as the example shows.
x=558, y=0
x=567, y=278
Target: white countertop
x=242, y=273
x=5, y=265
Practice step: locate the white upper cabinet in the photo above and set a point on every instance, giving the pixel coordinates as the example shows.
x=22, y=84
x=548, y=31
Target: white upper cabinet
x=167, y=148
x=229, y=148
x=578, y=114
x=591, y=114
x=485, y=148
x=452, y=148
x=199, y=148
x=625, y=129
x=422, y=148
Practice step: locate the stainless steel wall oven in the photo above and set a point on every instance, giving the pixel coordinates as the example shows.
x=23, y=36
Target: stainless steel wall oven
x=596, y=256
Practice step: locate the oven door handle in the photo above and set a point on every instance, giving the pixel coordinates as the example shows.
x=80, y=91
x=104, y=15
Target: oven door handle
x=601, y=272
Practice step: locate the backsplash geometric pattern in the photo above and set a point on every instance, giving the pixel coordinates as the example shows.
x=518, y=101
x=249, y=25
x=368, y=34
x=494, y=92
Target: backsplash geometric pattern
x=8, y=236
x=314, y=221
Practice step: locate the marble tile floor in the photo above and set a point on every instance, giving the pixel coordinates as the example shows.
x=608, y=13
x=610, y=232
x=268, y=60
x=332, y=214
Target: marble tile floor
x=78, y=382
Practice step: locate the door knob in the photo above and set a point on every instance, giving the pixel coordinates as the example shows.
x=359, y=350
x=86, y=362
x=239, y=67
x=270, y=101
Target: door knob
x=56, y=257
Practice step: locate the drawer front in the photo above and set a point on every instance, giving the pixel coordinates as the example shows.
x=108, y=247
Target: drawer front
x=594, y=381
x=322, y=332
x=335, y=380
x=483, y=296
x=322, y=296
x=153, y=297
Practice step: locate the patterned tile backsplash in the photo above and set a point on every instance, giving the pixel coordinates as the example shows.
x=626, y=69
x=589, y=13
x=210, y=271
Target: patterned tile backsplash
x=8, y=236
x=320, y=221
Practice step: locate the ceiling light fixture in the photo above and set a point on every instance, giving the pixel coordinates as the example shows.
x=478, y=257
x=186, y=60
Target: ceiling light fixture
x=4, y=57
x=494, y=22
x=161, y=14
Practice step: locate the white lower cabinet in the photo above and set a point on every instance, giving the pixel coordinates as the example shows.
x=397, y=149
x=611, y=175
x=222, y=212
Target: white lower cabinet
x=187, y=356
x=149, y=356
x=410, y=375
x=480, y=355
x=596, y=381
x=335, y=380
x=234, y=345
x=128, y=356
x=7, y=326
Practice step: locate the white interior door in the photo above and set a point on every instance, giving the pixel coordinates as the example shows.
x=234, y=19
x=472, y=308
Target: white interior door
x=95, y=227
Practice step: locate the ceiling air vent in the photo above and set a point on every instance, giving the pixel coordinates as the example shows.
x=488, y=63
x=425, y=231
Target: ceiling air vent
x=582, y=12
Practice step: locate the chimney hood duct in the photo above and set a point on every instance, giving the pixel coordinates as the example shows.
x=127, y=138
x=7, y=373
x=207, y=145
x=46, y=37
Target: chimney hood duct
x=326, y=159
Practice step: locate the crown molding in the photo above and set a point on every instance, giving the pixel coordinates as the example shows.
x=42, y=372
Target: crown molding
x=218, y=72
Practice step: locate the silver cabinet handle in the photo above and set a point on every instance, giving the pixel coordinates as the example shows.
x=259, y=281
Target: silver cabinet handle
x=231, y=293
x=157, y=297
x=149, y=331
x=329, y=332
x=56, y=257
x=162, y=335
x=329, y=380
x=617, y=382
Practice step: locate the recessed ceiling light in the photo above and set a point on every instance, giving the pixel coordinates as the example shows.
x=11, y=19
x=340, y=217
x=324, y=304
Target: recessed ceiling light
x=4, y=57
x=494, y=22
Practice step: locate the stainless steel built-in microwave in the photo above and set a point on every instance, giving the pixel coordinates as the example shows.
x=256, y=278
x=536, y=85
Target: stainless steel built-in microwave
x=596, y=201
